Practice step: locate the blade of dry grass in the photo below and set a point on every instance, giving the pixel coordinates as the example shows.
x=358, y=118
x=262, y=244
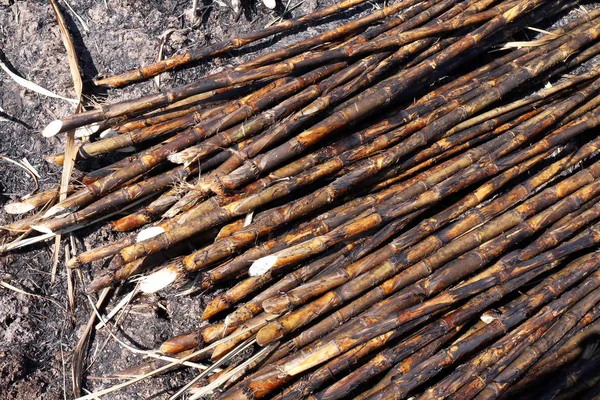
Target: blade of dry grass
x=33, y=86
x=70, y=147
x=27, y=167
x=79, y=351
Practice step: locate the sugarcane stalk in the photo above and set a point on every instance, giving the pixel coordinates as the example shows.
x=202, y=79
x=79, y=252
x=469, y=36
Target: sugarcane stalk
x=230, y=175
x=518, y=367
x=237, y=112
x=223, y=47
x=255, y=166
x=316, y=193
x=565, y=350
x=276, y=331
x=434, y=283
x=582, y=154
x=154, y=210
x=117, y=199
x=513, y=350
x=304, y=387
x=299, y=296
x=572, y=376
x=312, y=110
x=545, y=93
x=500, y=16
x=247, y=286
x=275, y=374
x=307, y=248
x=246, y=311
x=37, y=200
x=402, y=385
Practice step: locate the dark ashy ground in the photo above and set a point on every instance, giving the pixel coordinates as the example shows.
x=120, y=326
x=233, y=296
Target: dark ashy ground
x=36, y=335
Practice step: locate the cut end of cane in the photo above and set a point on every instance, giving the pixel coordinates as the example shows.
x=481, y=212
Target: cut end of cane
x=56, y=159
x=86, y=131
x=53, y=128
x=159, y=280
x=42, y=229
x=262, y=265
x=53, y=211
x=73, y=262
x=277, y=305
x=270, y=4
x=18, y=208
x=488, y=317
x=149, y=233
x=178, y=158
x=268, y=334
x=180, y=343
x=109, y=133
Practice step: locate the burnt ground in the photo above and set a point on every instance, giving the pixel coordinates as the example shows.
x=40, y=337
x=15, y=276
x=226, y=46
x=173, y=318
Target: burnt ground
x=36, y=335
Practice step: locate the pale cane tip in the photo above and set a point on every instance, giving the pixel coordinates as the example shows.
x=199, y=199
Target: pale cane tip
x=487, y=318
x=109, y=133
x=270, y=4
x=73, y=262
x=18, y=208
x=158, y=280
x=262, y=265
x=85, y=131
x=53, y=211
x=177, y=158
x=149, y=233
x=53, y=128
x=41, y=228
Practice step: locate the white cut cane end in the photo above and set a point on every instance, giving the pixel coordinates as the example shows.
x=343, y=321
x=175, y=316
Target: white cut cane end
x=262, y=265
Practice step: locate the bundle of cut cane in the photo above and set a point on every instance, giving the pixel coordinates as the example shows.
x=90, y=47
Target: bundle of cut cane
x=370, y=221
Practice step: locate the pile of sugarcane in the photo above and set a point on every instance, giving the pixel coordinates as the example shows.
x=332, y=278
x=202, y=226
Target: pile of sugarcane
x=387, y=209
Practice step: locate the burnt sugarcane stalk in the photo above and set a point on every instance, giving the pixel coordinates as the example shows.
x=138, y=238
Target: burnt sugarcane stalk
x=233, y=158
x=563, y=352
x=225, y=46
x=235, y=113
x=370, y=164
x=389, y=359
x=155, y=209
x=402, y=385
x=459, y=377
x=500, y=16
x=336, y=219
x=425, y=288
x=470, y=309
x=90, y=255
x=518, y=367
x=460, y=180
x=309, y=112
x=304, y=387
x=418, y=232
x=271, y=376
x=246, y=311
x=358, y=285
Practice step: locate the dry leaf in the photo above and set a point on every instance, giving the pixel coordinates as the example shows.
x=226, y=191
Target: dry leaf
x=33, y=86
